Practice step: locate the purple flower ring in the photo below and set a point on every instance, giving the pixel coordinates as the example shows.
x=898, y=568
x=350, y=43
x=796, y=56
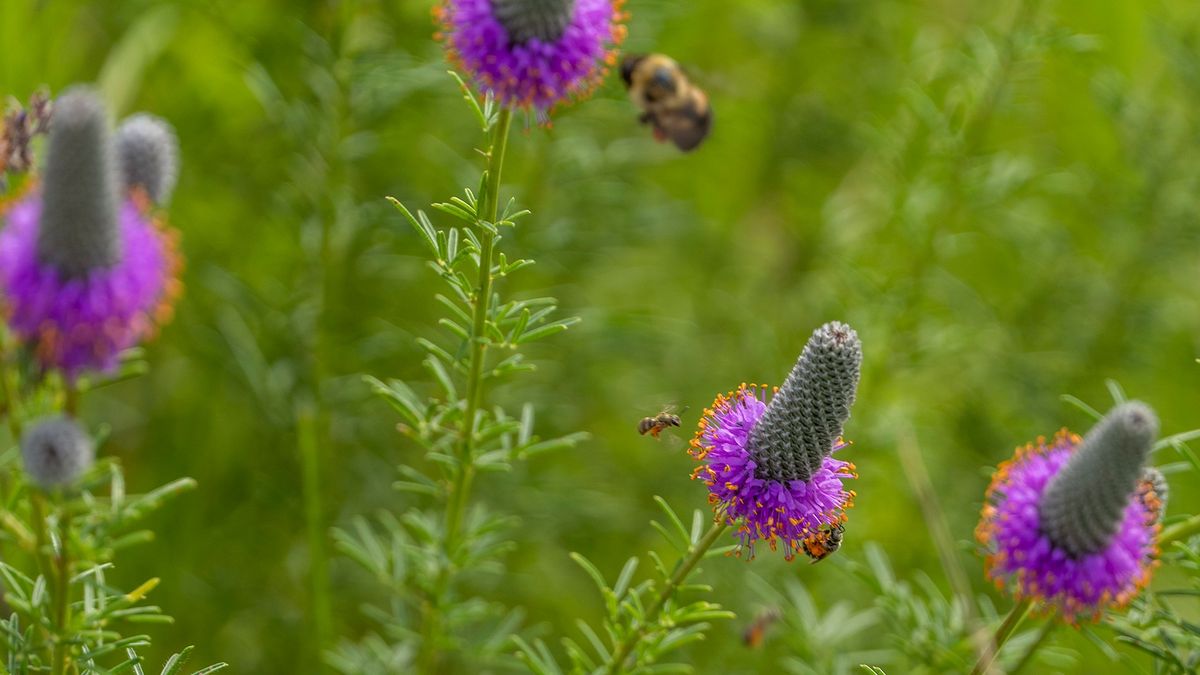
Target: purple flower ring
x=80, y=323
x=532, y=54
x=791, y=511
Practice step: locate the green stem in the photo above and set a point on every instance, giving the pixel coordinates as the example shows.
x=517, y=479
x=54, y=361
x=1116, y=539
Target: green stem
x=1045, y=631
x=37, y=505
x=456, y=506
x=62, y=595
x=939, y=530
x=306, y=436
x=1180, y=531
x=488, y=208
x=1004, y=632
x=11, y=404
x=682, y=570
x=935, y=520
x=70, y=398
x=54, y=568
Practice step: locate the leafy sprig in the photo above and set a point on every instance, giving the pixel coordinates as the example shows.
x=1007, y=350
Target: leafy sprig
x=424, y=555
x=644, y=621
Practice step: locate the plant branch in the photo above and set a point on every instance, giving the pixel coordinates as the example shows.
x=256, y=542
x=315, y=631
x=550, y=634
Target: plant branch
x=62, y=593
x=1004, y=632
x=456, y=506
x=11, y=410
x=1043, y=633
x=488, y=209
x=935, y=520
x=307, y=439
x=682, y=570
x=1180, y=531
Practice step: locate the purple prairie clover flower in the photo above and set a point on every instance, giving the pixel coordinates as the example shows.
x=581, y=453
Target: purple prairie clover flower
x=86, y=272
x=1073, y=524
x=766, y=454
x=532, y=54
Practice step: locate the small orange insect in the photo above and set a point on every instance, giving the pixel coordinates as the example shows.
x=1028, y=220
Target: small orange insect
x=824, y=543
x=756, y=633
x=655, y=425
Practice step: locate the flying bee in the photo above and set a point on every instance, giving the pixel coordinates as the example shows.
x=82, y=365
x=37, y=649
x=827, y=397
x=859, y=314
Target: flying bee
x=670, y=103
x=655, y=425
x=756, y=633
x=824, y=543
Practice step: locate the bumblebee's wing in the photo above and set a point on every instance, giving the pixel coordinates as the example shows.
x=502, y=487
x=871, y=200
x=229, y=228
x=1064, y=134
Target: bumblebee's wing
x=688, y=126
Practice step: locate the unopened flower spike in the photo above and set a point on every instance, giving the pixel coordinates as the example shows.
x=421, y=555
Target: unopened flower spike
x=767, y=454
x=532, y=54
x=86, y=271
x=1073, y=524
x=148, y=154
x=56, y=451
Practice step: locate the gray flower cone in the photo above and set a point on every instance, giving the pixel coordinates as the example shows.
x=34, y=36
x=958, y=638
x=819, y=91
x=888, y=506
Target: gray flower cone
x=526, y=20
x=805, y=418
x=56, y=451
x=148, y=154
x=78, y=230
x=1084, y=505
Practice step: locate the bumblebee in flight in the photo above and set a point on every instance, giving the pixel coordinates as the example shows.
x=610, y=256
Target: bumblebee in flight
x=677, y=109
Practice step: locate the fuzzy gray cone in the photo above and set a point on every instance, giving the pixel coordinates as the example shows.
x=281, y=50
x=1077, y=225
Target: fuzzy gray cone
x=526, y=20
x=78, y=231
x=56, y=451
x=1083, y=507
x=805, y=418
x=148, y=154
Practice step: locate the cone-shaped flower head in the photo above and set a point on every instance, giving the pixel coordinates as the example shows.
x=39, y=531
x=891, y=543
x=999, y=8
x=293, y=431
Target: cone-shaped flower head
x=84, y=272
x=768, y=462
x=79, y=230
x=56, y=451
x=1073, y=524
x=148, y=153
x=805, y=419
x=1083, y=506
x=532, y=54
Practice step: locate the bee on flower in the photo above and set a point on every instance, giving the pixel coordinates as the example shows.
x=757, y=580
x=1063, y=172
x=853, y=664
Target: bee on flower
x=767, y=454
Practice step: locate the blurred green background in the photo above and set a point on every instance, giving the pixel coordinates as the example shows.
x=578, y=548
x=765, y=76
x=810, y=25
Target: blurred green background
x=1001, y=197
